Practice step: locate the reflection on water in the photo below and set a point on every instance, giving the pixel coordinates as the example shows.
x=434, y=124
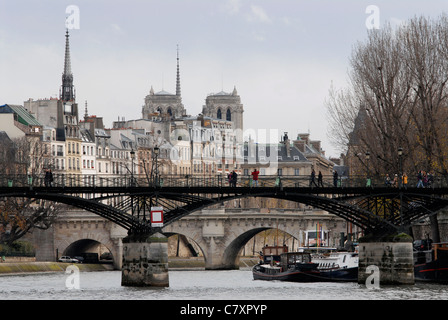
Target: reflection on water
x=201, y=285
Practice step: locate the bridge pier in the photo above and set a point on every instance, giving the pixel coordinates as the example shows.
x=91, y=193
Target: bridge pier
x=390, y=258
x=145, y=261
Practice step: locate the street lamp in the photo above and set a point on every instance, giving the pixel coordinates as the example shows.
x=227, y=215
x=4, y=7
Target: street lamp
x=400, y=166
x=132, y=166
x=369, y=181
x=400, y=169
x=156, y=152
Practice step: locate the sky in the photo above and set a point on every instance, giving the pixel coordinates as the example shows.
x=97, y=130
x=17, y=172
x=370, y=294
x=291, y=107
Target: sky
x=282, y=56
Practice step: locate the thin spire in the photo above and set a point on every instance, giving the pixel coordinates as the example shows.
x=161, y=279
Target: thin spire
x=178, y=74
x=67, y=89
x=67, y=62
x=86, y=114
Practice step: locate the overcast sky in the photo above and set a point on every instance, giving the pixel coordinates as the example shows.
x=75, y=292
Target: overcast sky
x=281, y=55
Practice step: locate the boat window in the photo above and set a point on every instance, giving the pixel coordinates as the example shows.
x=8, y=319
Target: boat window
x=344, y=258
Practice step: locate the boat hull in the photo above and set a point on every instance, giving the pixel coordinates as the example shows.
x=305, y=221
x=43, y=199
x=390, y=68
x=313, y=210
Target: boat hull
x=292, y=276
x=431, y=272
x=431, y=265
x=340, y=275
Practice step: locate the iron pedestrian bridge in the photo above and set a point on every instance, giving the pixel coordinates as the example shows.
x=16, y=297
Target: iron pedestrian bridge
x=127, y=200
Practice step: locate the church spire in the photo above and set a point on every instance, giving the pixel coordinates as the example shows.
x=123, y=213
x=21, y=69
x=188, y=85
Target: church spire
x=67, y=90
x=178, y=74
x=86, y=114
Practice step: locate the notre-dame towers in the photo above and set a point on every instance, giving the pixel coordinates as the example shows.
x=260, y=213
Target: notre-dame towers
x=222, y=105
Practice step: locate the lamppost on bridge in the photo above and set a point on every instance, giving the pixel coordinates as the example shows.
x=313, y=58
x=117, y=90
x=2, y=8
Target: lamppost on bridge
x=400, y=167
x=132, y=167
x=155, y=171
x=369, y=181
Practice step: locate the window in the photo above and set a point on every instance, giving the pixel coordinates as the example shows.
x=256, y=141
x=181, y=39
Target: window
x=296, y=172
x=228, y=115
x=280, y=172
x=219, y=115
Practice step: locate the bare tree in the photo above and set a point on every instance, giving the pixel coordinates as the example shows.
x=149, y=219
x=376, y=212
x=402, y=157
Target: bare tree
x=396, y=99
x=18, y=216
x=426, y=42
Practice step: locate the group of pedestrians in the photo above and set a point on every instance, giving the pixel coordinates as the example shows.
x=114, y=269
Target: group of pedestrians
x=424, y=179
x=232, y=178
x=395, y=181
x=320, y=182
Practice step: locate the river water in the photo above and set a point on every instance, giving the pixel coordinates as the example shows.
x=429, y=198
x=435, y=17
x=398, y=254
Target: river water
x=200, y=285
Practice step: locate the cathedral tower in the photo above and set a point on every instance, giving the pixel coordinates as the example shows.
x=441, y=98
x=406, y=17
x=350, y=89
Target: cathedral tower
x=164, y=104
x=225, y=106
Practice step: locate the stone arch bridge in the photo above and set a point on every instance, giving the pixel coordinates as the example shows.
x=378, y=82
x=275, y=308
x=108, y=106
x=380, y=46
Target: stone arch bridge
x=219, y=233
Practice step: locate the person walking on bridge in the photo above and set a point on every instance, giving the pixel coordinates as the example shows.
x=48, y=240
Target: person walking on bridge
x=312, y=178
x=420, y=179
x=335, y=178
x=320, y=182
x=233, y=179
x=255, y=174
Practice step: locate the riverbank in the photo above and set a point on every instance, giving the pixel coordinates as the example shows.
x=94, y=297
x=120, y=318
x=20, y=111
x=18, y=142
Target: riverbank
x=198, y=263
x=8, y=268
x=19, y=267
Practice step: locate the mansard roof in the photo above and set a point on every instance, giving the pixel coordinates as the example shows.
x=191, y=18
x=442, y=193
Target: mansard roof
x=86, y=136
x=23, y=115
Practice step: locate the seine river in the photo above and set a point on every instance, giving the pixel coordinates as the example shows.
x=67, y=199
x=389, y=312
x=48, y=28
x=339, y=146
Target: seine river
x=200, y=285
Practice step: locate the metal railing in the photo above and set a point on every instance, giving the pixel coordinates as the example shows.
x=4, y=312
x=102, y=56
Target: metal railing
x=127, y=180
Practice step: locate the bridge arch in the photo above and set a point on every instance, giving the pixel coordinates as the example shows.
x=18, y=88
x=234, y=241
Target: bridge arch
x=221, y=234
x=89, y=246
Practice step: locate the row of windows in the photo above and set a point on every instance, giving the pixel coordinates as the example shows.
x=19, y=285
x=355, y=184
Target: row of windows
x=88, y=150
x=204, y=167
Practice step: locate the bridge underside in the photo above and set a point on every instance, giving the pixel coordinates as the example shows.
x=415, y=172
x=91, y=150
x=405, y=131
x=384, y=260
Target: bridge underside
x=380, y=210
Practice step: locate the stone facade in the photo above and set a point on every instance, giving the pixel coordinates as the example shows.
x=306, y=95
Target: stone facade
x=392, y=262
x=145, y=261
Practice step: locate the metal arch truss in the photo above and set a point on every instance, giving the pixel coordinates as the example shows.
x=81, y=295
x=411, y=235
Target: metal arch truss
x=373, y=210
